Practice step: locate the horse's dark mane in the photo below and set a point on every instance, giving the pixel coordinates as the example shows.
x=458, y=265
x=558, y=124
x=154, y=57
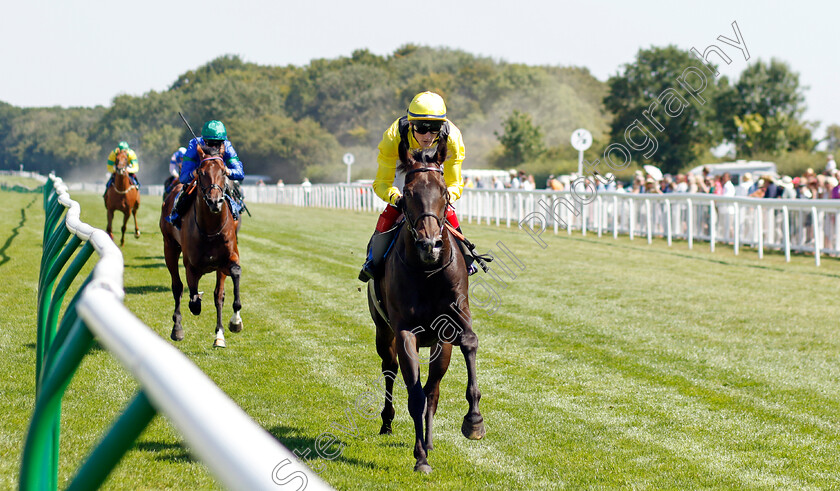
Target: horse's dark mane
x=424, y=157
x=212, y=151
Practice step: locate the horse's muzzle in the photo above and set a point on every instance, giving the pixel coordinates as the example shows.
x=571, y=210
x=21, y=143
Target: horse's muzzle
x=429, y=249
x=215, y=205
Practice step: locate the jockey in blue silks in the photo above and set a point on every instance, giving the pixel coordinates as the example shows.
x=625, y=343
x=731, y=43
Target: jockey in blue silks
x=213, y=134
x=174, y=170
x=175, y=162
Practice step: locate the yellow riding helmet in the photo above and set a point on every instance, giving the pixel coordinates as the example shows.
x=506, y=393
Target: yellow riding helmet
x=427, y=106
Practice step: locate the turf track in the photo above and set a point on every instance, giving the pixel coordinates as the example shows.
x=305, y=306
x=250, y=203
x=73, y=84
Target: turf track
x=609, y=363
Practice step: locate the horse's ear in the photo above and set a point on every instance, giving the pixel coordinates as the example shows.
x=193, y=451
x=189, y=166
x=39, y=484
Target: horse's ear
x=201, y=153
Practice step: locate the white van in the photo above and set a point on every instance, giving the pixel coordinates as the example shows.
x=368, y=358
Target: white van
x=738, y=168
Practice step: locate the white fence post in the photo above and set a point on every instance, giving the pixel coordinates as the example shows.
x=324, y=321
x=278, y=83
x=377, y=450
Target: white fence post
x=818, y=240
x=786, y=227
x=712, y=225
x=759, y=218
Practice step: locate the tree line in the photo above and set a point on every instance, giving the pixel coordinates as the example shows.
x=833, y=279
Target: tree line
x=668, y=109
x=290, y=122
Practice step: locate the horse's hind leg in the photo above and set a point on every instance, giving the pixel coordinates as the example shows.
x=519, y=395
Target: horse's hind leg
x=437, y=370
x=171, y=253
x=219, y=300
x=387, y=349
x=473, y=426
x=235, y=324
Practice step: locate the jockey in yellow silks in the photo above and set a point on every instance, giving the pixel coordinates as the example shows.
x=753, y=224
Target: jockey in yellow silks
x=133, y=165
x=424, y=125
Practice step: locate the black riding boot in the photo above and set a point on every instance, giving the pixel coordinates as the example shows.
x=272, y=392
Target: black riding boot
x=107, y=185
x=470, y=257
x=175, y=217
x=377, y=247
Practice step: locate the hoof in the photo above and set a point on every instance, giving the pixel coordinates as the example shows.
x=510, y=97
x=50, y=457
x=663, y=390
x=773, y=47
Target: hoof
x=473, y=431
x=195, y=307
x=137, y=234
x=219, y=343
x=235, y=327
x=424, y=468
x=385, y=430
x=177, y=334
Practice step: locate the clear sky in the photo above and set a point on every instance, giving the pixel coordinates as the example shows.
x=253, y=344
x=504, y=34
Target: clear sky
x=86, y=52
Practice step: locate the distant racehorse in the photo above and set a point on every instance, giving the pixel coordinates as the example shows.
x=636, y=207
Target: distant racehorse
x=122, y=196
x=423, y=301
x=207, y=239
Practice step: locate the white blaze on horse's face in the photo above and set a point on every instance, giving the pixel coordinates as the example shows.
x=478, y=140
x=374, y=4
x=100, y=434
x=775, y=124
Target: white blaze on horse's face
x=122, y=162
x=211, y=192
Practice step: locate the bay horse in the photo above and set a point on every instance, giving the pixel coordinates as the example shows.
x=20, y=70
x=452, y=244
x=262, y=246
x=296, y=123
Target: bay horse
x=208, y=241
x=122, y=196
x=421, y=300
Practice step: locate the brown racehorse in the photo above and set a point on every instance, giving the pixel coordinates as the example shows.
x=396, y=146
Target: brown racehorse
x=122, y=196
x=424, y=302
x=207, y=239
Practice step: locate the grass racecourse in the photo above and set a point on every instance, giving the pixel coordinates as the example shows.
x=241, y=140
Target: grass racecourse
x=608, y=363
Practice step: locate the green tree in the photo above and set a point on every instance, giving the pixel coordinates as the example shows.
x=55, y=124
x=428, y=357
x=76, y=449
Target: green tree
x=652, y=84
x=772, y=92
x=521, y=140
x=283, y=148
x=832, y=138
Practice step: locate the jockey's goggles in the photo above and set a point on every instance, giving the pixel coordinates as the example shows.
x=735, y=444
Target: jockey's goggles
x=423, y=127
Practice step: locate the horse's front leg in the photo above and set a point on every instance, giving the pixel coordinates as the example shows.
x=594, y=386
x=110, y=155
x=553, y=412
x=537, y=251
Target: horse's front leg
x=473, y=426
x=437, y=370
x=171, y=253
x=236, y=320
x=386, y=347
x=407, y=349
x=219, y=299
x=108, y=227
x=126, y=214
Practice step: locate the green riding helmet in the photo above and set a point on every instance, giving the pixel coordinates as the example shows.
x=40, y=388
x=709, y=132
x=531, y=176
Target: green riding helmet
x=123, y=146
x=214, y=130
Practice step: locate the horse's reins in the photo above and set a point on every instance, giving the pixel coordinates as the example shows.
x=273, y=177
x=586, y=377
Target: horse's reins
x=430, y=272
x=204, y=192
x=122, y=170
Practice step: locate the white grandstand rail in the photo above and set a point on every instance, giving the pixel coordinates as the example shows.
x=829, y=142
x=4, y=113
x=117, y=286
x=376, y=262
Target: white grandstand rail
x=240, y=453
x=740, y=222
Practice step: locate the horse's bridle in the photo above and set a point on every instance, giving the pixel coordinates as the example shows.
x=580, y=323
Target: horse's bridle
x=412, y=223
x=121, y=168
x=206, y=190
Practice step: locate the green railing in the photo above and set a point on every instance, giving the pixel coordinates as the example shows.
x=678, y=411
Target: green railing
x=240, y=454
